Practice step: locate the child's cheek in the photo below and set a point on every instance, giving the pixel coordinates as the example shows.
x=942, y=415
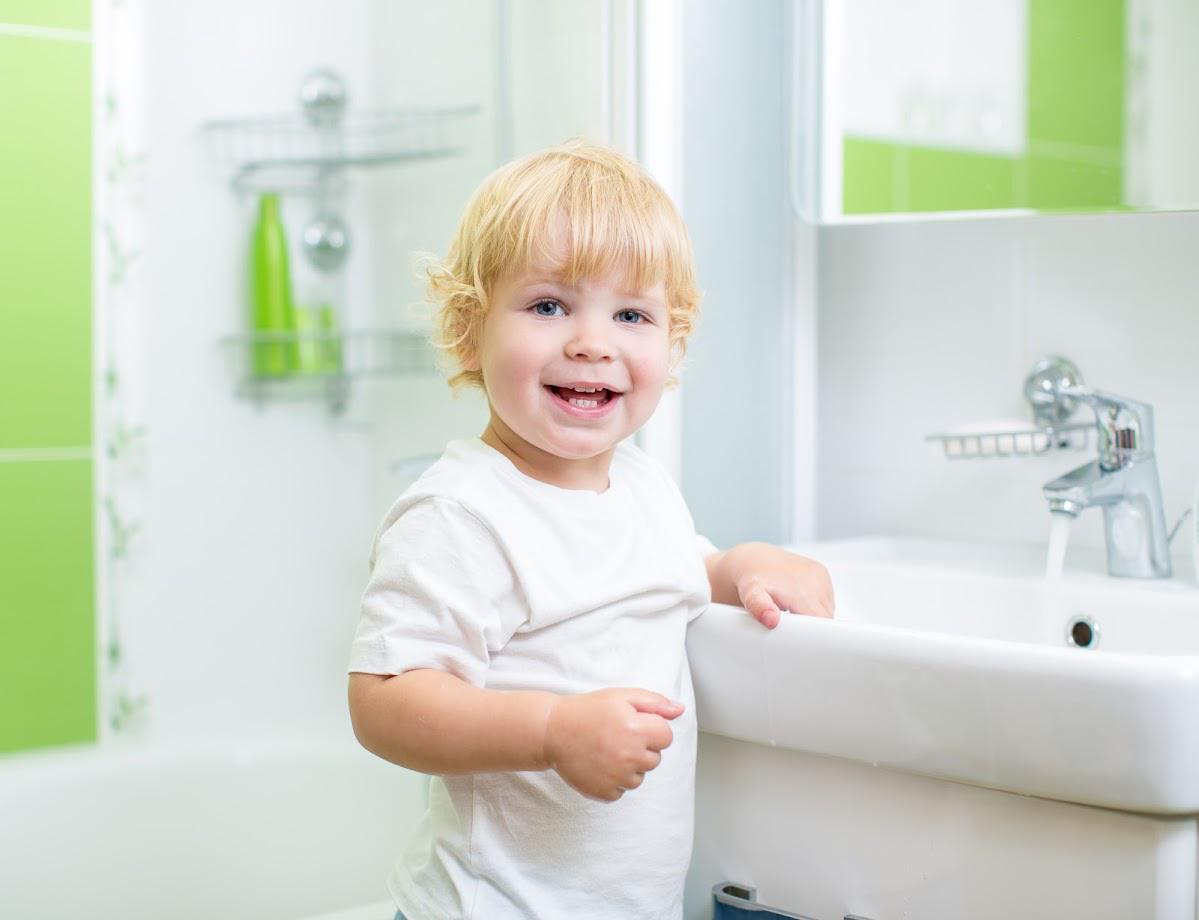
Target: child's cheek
x=526, y=362
x=515, y=383
x=652, y=367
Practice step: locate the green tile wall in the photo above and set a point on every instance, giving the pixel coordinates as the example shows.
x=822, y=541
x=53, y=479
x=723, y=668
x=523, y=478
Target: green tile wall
x=45, y=242
x=1076, y=72
x=47, y=594
x=949, y=180
x=880, y=177
x=869, y=184
x=1070, y=183
x=47, y=630
x=55, y=14
x=1075, y=131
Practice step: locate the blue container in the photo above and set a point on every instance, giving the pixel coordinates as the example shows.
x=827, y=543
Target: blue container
x=732, y=901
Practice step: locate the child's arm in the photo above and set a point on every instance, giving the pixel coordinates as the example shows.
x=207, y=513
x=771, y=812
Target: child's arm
x=434, y=722
x=764, y=578
x=601, y=743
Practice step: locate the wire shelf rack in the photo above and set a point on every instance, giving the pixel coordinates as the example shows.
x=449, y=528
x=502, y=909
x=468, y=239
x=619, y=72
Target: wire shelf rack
x=1014, y=442
x=300, y=365
x=267, y=152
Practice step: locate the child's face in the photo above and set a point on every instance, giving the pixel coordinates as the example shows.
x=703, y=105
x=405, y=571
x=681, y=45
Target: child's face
x=540, y=335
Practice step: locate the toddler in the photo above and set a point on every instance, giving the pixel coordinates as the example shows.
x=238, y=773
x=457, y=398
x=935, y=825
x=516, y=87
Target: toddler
x=522, y=632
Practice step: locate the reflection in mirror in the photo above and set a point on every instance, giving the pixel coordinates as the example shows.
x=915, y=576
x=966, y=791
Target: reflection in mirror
x=1041, y=105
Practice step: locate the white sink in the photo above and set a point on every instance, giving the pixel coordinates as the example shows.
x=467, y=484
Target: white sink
x=941, y=661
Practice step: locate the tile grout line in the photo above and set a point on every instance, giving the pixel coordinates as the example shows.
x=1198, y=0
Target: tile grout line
x=37, y=454
x=46, y=32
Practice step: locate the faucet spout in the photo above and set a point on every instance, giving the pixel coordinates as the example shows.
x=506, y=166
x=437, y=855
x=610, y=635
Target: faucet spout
x=1075, y=490
x=1065, y=506
x=1134, y=521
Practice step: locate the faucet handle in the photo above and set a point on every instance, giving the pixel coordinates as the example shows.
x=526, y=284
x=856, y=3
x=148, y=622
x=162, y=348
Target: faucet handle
x=1055, y=387
x=1125, y=425
x=1043, y=389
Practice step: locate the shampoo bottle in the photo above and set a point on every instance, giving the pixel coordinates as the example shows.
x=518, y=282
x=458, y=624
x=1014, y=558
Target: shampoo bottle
x=273, y=319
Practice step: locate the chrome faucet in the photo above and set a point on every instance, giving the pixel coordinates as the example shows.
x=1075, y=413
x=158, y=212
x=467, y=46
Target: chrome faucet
x=1123, y=479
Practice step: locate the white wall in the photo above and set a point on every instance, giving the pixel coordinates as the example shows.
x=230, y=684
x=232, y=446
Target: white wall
x=736, y=395
x=925, y=326
x=251, y=552
x=1161, y=131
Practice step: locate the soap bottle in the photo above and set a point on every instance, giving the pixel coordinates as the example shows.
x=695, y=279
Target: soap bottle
x=273, y=319
x=318, y=344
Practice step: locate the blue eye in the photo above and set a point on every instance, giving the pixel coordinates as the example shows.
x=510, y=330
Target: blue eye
x=637, y=315
x=552, y=304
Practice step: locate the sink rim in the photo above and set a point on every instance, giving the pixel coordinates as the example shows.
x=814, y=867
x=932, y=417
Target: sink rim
x=1096, y=727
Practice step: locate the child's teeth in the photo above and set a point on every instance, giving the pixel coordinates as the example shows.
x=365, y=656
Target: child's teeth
x=585, y=403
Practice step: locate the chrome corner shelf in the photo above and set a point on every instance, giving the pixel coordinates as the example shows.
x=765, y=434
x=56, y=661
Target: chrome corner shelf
x=277, y=153
x=324, y=363
x=1016, y=442
x=306, y=151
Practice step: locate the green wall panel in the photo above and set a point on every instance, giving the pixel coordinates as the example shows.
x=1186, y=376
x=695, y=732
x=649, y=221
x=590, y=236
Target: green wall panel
x=880, y=177
x=47, y=625
x=1076, y=64
x=45, y=242
x=867, y=176
x=1070, y=184
x=955, y=180
x=58, y=14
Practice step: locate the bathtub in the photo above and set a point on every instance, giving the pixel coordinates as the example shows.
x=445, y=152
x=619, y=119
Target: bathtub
x=288, y=828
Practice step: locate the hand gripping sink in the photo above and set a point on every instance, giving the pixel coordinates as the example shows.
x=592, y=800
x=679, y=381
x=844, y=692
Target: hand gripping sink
x=942, y=661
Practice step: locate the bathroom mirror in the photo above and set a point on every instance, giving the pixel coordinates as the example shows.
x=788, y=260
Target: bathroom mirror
x=1020, y=106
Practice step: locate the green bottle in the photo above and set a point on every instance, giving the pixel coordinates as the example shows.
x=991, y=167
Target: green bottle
x=274, y=318
x=318, y=344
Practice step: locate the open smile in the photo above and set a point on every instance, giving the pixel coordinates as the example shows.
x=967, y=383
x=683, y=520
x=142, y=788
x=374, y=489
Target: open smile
x=583, y=405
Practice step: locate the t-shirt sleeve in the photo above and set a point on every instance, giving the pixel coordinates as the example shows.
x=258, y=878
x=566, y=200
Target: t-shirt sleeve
x=706, y=547
x=441, y=594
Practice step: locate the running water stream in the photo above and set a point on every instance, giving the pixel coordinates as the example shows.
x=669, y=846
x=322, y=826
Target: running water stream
x=1051, y=614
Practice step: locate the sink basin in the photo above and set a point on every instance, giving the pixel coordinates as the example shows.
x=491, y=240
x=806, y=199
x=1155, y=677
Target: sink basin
x=945, y=660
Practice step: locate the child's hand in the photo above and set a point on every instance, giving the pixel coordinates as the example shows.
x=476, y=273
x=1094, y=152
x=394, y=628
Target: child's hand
x=769, y=580
x=603, y=743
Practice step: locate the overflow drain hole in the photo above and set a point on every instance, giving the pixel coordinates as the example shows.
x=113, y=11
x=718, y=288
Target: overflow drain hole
x=1081, y=632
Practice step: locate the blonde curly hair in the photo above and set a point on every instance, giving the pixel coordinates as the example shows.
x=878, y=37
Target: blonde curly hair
x=615, y=217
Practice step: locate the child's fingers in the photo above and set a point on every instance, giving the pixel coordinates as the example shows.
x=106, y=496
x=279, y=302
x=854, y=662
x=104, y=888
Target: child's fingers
x=633, y=782
x=656, y=733
x=761, y=606
x=814, y=605
x=654, y=703
x=820, y=592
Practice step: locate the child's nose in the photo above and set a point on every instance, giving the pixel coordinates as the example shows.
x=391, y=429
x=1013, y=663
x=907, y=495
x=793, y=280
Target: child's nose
x=590, y=340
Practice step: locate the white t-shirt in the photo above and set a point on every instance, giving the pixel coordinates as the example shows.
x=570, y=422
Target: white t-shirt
x=511, y=583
